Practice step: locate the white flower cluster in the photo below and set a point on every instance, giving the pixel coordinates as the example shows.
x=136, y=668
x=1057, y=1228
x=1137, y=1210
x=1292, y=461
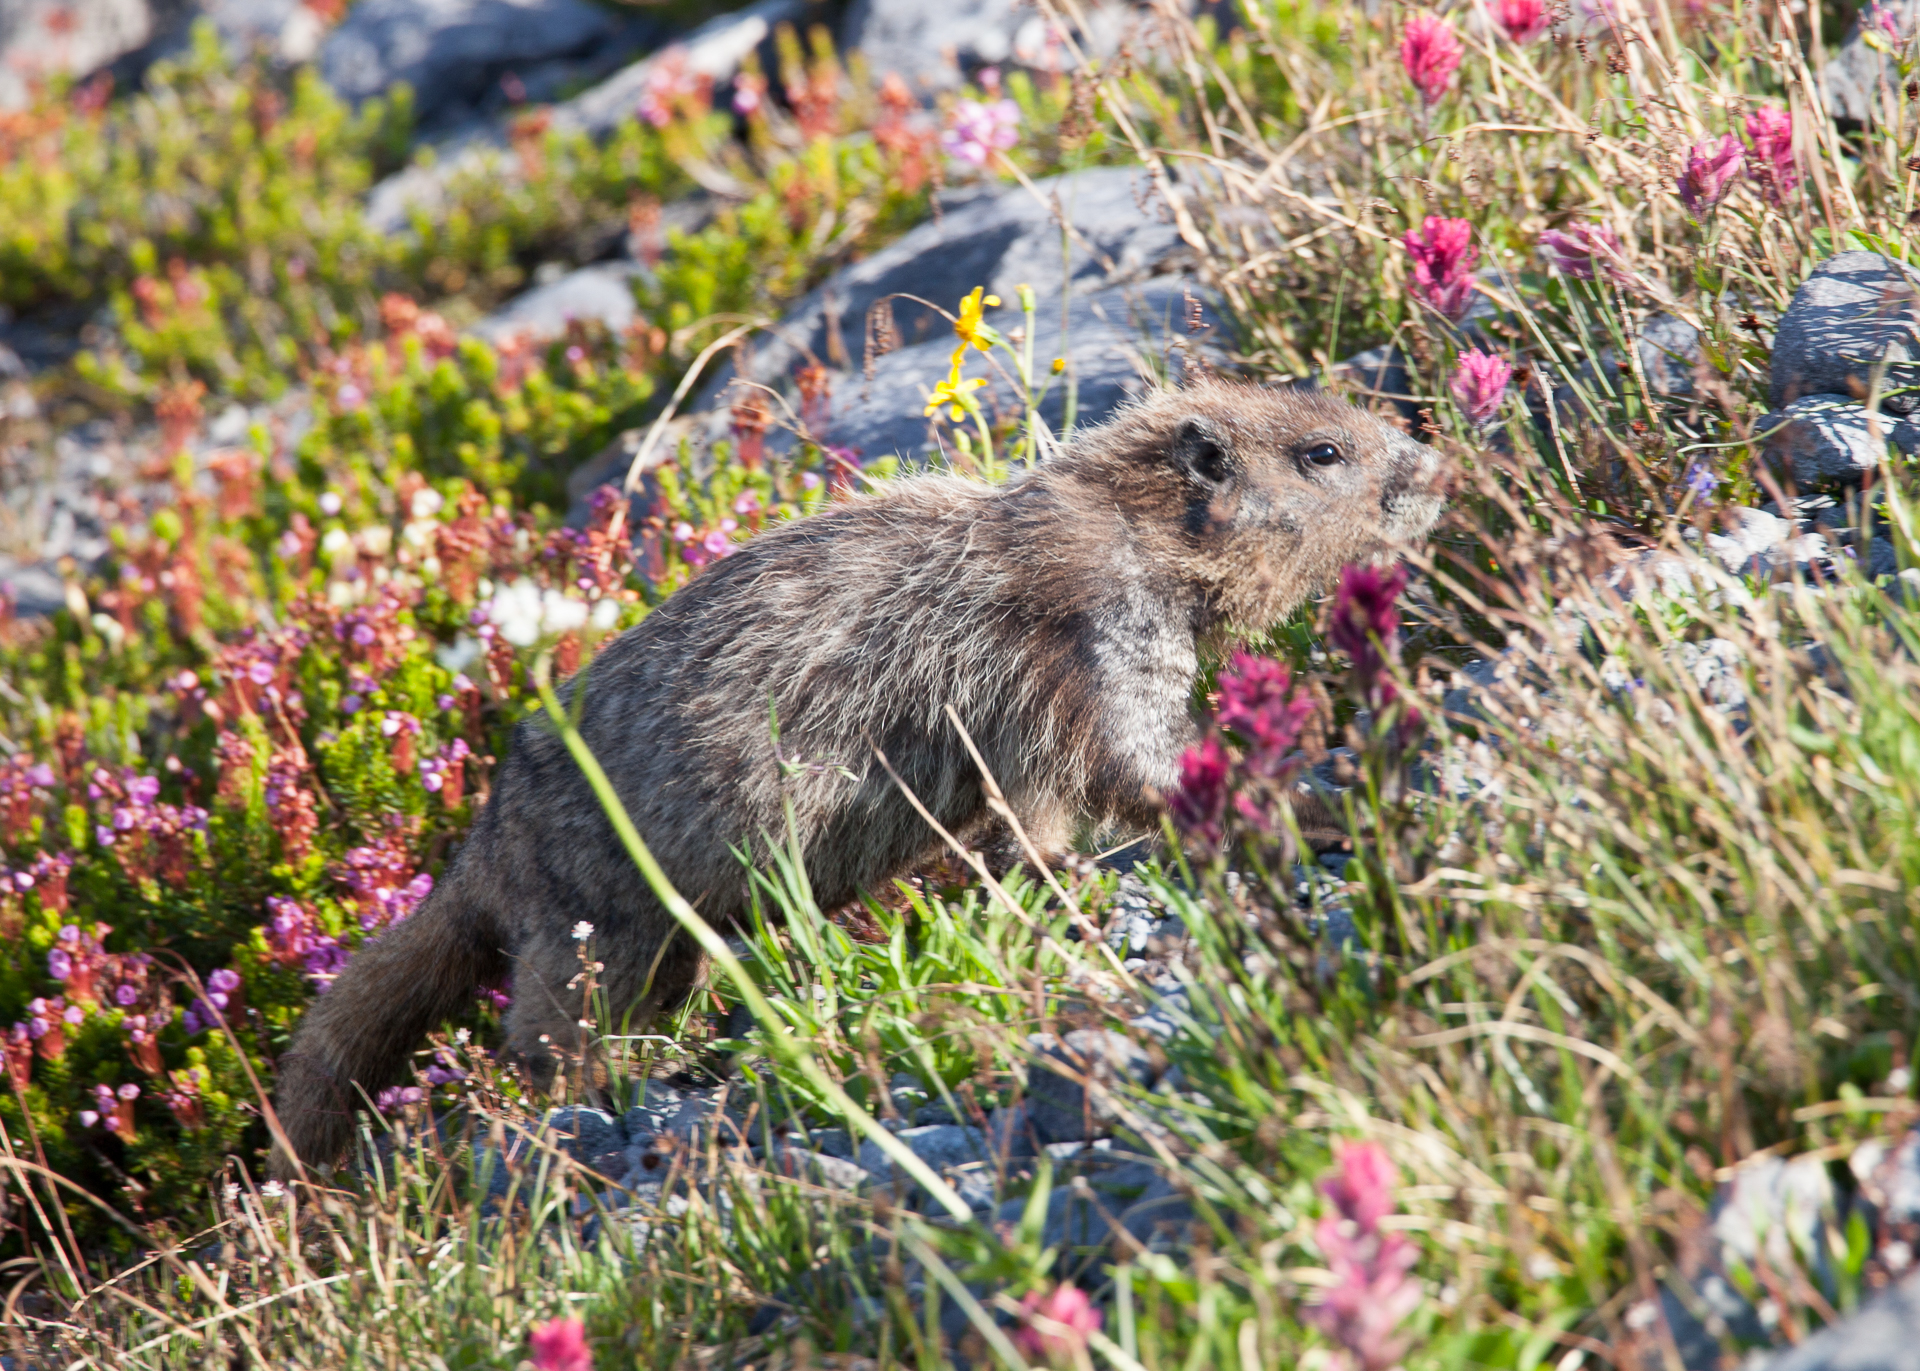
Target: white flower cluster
x=525, y=614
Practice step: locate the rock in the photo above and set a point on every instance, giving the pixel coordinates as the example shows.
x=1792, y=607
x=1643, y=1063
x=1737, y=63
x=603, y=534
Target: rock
x=1669, y=349
x=932, y=47
x=1882, y=1336
x=1831, y=439
x=1861, y=82
x=1009, y=1133
x=589, y=1136
x=1160, y=1217
x=714, y=50
x=451, y=51
x=1379, y=375
x=668, y=1113
x=836, y=1173
x=1059, y=1105
x=1749, y=534
x=940, y=1145
x=1122, y=271
x=41, y=40
x=282, y=31
x=1857, y=310
x=602, y=292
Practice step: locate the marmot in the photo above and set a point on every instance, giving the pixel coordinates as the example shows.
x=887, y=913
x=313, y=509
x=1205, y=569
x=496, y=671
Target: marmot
x=1062, y=615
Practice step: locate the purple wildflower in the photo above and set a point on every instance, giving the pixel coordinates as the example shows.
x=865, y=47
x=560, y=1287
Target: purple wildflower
x=1711, y=170
x=1443, y=257
x=978, y=131
x=1480, y=385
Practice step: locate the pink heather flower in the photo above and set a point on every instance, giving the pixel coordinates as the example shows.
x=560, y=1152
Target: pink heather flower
x=560, y=1345
x=1443, y=256
x=749, y=92
x=1366, y=624
x=1431, y=54
x=1523, y=20
x=1202, y=795
x=1480, y=385
x=1878, y=16
x=1372, y=1293
x=1362, y=1190
x=1711, y=170
x=1770, y=134
x=1057, y=1326
x=1257, y=702
x=978, y=131
x=1581, y=249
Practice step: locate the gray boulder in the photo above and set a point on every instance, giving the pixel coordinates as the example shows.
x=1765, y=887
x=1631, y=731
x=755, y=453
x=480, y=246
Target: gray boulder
x=451, y=51
x=1858, y=313
x=1831, y=439
x=1883, y=1336
x=1125, y=302
x=1071, y=1082
x=602, y=292
x=41, y=40
x=932, y=47
x=1863, y=85
x=715, y=50
x=587, y=1135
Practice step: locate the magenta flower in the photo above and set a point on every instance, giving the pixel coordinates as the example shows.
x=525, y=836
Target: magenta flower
x=1878, y=16
x=1201, y=798
x=1363, y=1188
x=1711, y=170
x=1372, y=1293
x=1257, y=702
x=1523, y=20
x=1770, y=136
x=1366, y=626
x=978, y=131
x=1480, y=385
x=1582, y=249
x=1443, y=256
x=1057, y=1326
x=1431, y=53
x=560, y=1345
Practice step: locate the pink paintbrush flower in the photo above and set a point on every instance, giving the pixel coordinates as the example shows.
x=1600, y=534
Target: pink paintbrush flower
x=1582, y=249
x=1480, y=385
x=1373, y=1291
x=560, y=1345
x=1431, y=53
x=1770, y=141
x=1443, y=256
x=1711, y=170
x=1523, y=20
x=1057, y=1326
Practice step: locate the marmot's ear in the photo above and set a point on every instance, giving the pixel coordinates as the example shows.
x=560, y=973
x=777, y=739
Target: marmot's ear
x=1201, y=452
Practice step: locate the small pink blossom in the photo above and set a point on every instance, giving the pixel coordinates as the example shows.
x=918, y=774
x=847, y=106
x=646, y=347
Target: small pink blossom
x=1711, y=170
x=977, y=131
x=1523, y=20
x=1443, y=256
x=1431, y=53
x=1770, y=136
x=560, y=1345
x=1372, y=1292
x=1365, y=624
x=1057, y=1326
x=1201, y=798
x=1480, y=385
x=1581, y=249
x=1259, y=704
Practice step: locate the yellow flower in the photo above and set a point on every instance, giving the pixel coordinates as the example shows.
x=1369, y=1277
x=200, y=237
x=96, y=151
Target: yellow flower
x=971, y=328
x=956, y=392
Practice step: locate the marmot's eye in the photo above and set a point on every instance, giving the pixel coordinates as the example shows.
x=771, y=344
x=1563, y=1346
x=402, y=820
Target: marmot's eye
x=1323, y=455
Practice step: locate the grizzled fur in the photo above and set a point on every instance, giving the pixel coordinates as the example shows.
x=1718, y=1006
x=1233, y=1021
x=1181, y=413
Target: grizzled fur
x=1061, y=615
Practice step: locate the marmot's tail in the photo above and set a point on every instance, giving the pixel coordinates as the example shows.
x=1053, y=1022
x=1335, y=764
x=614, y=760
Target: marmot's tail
x=360, y=1031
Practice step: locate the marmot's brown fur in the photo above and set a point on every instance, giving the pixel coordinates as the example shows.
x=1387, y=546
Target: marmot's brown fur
x=1061, y=615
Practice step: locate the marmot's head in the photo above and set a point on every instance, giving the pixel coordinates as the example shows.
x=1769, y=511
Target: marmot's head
x=1260, y=496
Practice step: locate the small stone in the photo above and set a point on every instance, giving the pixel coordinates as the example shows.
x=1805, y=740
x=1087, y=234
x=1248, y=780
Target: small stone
x=1829, y=439
x=602, y=293
x=939, y=1145
x=1748, y=533
x=587, y=1135
x=1858, y=311
x=836, y=1173
x=1059, y=1105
